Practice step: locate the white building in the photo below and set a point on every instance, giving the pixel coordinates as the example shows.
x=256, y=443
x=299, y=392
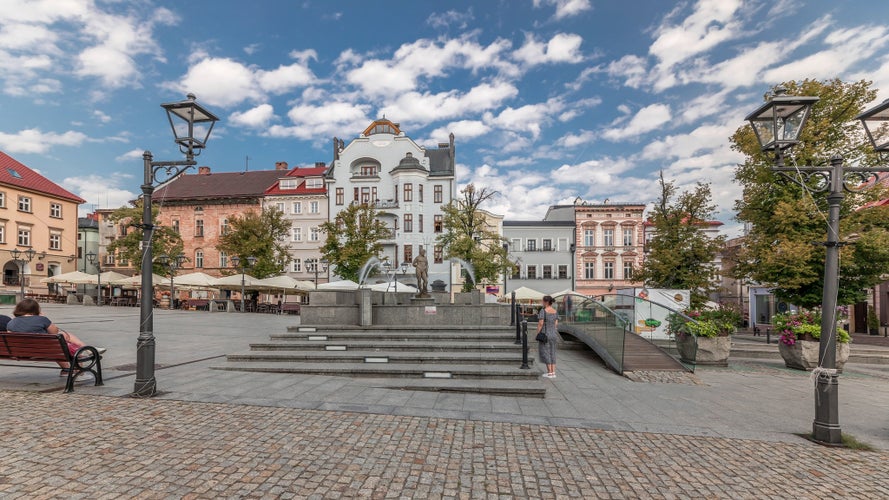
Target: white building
x=301, y=195
x=407, y=183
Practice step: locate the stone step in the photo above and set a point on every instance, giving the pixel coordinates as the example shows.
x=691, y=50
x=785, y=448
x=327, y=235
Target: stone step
x=521, y=388
x=404, y=336
x=387, y=345
x=443, y=371
x=382, y=357
x=858, y=354
x=353, y=328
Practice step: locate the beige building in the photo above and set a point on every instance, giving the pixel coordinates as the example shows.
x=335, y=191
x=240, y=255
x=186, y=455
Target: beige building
x=35, y=214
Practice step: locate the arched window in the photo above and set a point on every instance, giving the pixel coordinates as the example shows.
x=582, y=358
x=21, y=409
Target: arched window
x=199, y=258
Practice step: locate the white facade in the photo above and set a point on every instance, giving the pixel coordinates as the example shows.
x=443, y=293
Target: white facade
x=408, y=184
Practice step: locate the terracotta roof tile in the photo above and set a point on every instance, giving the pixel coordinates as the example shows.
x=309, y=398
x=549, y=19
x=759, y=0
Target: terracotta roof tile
x=31, y=180
x=275, y=188
x=219, y=185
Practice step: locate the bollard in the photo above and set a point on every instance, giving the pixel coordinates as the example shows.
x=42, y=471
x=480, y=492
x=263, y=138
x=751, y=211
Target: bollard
x=525, y=345
x=768, y=335
x=512, y=311
x=518, y=326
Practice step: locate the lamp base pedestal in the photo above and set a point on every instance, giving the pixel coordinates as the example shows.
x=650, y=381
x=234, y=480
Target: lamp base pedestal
x=826, y=427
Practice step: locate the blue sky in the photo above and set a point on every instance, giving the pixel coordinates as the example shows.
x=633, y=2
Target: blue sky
x=549, y=99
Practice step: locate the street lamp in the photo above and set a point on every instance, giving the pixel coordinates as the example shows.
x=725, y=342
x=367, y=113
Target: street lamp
x=404, y=266
x=21, y=258
x=172, y=265
x=191, y=124
x=250, y=262
x=315, y=264
x=93, y=259
x=777, y=125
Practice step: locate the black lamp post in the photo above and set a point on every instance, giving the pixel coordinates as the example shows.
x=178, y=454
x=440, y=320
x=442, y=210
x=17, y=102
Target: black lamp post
x=316, y=263
x=191, y=124
x=172, y=265
x=404, y=267
x=94, y=260
x=21, y=258
x=777, y=125
x=249, y=262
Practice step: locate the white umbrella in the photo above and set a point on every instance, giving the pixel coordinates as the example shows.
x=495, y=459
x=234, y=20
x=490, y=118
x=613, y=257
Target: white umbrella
x=197, y=280
x=235, y=281
x=284, y=282
x=74, y=278
x=525, y=293
x=109, y=277
x=339, y=285
x=390, y=287
x=566, y=291
x=136, y=281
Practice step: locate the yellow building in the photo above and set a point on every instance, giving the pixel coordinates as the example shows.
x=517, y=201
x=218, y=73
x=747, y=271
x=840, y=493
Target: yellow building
x=35, y=214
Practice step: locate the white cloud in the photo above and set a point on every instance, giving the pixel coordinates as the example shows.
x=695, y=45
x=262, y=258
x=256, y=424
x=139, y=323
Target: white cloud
x=444, y=20
x=566, y=8
x=711, y=23
x=426, y=107
x=708, y=137
x=646, y=119
x=260, y=116
x=561, y=48
x=102, y=117
x=464, y=130
x=219, y=82
x=34, y=140
x=571, y=140
x=101, y=190
x=632, y=69
x=285, y=78
x=322, y=122
x=133, y=154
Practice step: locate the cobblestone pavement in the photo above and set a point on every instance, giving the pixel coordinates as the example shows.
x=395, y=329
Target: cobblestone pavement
x=87, y=446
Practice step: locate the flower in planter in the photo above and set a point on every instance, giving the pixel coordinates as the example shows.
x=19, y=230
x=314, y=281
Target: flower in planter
x=804, y=325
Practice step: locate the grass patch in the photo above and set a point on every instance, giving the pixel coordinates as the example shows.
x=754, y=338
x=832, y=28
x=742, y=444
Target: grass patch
x=849, y=442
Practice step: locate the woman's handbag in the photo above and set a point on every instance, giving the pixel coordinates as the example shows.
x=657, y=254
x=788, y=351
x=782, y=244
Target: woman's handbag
x=541, y=335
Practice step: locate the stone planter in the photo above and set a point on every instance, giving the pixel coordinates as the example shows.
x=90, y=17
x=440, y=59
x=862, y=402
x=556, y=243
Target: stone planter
x=711, y=351
x=803, y=355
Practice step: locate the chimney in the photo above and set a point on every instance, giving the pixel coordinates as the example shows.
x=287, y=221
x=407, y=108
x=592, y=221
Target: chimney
x=280, y=165
x=320, y=164
x=203, y=170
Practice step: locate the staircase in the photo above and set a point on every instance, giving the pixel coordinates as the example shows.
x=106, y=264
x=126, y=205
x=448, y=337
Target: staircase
x=464, y=359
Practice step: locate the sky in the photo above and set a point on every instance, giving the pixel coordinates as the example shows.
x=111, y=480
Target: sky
x=549, y=100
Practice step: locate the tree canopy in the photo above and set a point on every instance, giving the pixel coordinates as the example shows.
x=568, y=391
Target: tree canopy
x=128, y=247
x=467, y=236
x=353, y=237
x=681, y=254
x=787, y=222
x=261, y=235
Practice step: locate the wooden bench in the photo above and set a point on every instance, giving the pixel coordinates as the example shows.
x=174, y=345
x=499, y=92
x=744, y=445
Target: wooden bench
x=45, y=347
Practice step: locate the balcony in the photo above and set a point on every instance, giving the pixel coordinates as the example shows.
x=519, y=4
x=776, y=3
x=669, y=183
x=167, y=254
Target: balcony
x=386, y=204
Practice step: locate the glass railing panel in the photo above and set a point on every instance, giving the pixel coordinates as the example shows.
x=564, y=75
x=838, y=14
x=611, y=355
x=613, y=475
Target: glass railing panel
x=595, y=325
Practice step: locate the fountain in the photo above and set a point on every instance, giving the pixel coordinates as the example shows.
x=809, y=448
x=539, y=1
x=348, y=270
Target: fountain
x=470, y=271
x=367, y=268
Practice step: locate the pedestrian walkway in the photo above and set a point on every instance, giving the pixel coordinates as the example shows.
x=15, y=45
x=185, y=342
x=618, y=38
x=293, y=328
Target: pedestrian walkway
x=724, y=432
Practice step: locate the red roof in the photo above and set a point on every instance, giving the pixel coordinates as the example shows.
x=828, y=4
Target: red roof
x=16, y=174
x=713, y=223
x=275, y=188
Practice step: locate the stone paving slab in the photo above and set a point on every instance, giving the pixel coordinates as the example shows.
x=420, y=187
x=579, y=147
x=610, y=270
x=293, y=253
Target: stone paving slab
x=155, y=448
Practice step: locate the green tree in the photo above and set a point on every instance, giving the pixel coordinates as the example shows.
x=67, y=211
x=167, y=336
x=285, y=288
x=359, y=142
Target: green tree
x=353, y=237
x=467, y=236
x=261, y=235
x=681, y=254
x=128, y=247
x=787, y=221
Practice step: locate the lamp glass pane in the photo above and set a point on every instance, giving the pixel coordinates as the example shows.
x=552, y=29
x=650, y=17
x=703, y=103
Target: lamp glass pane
x=790, y=125
x=878, y=129
x=765, y=132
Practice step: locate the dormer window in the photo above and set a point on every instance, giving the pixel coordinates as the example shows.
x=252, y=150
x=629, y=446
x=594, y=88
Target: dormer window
x=289, y=183
x=382, y=126
x=316, y=183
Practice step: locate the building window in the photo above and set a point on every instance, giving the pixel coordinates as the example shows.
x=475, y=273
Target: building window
x=315, y=234
x=297, y=207
x=365, y=195
x=296, y=266
x=55, y=210
x=2, y=199
x=79, y=252
x=408, y=253
x=199, y=258
x=547, y=245
x=223, y=226
x=24, y=204
x=281, y=206
x=55, y=241
x=609, y=271
x=296, y=233
x=516, y=271
x=438, y=224
x=311, y=265
x=3, y=234
x=531, y=245
x=223, y=259
x=368, y=170
x=436, y=193
x=176, y=225
x=408, y=223
x=109, y=260
x=199, y=228
x=340, y=195
x=563, y=272
x=355, y=198
x=420, y=223
x=532, y=272
x=608, y=236
x=24, y=237
x=420, y=193
x=589, y=237
x=547, y=272
x=628, y=270
x=628, y=237
x=315, y=183
x=408, y=192
x=437, y=254
x=288, y=184
x=313, y=207
x=589, y=270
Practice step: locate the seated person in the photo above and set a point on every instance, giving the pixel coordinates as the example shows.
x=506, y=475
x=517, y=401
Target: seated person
x=28, y=320
x=4, y=319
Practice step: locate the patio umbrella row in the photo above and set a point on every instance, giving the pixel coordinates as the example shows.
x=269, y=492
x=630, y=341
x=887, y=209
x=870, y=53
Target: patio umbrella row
x=192, y=280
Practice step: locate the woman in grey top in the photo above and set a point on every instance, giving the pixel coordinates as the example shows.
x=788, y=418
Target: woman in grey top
x=548, y=322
